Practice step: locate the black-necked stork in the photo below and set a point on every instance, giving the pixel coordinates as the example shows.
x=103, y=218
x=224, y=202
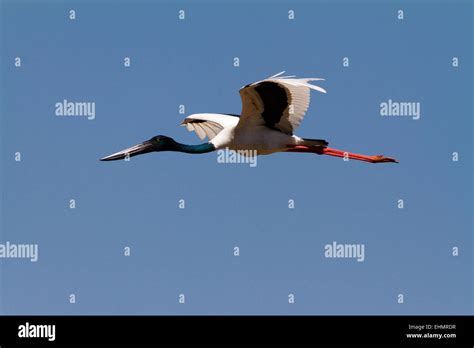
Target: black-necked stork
x=272, y=109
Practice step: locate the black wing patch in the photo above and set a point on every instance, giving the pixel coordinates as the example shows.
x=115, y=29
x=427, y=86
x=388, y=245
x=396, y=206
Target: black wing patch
x=275, y=102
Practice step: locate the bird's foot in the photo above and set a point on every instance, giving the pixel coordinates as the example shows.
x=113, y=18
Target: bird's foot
x=381, y=159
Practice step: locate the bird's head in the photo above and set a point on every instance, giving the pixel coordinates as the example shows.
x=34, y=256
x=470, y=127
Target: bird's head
x=155, y=144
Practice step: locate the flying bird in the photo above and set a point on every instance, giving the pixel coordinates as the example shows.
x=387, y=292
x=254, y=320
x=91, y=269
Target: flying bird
x=272, y=109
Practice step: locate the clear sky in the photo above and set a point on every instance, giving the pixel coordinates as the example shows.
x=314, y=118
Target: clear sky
x=189, y=251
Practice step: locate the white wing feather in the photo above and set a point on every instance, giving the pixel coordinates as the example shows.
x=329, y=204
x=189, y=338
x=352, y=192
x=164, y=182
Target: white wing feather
x=209, y=125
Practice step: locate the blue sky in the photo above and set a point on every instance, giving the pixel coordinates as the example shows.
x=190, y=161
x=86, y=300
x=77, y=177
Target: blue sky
x=190, y=251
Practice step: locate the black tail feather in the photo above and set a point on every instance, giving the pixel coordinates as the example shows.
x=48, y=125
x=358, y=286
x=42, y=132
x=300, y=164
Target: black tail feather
x=315, y=142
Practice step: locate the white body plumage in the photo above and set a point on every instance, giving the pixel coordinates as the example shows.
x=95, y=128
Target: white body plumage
x=257, y=128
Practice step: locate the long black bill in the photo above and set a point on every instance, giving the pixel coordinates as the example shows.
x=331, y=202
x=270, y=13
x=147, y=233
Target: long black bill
x=138, y=149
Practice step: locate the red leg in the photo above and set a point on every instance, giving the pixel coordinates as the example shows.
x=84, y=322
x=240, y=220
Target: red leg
x=338, y=153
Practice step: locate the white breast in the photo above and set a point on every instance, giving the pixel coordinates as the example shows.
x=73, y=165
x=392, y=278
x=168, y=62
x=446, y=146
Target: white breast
x=260, y=138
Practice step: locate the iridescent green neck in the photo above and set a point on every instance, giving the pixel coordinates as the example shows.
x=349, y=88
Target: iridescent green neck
x=201, y=148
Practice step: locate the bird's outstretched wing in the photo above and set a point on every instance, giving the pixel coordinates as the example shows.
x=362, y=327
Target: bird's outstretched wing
x=209, y=125
x=278, y=102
